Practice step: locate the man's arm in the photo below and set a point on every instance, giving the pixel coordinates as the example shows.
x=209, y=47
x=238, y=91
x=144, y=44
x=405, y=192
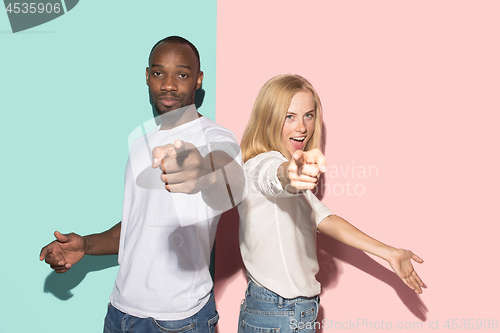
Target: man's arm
x=68, y=249
x=225, y=189
x=218, y=176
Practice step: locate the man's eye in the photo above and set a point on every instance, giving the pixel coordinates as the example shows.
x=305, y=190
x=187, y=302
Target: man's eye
x=183, y=76
x=157, y=73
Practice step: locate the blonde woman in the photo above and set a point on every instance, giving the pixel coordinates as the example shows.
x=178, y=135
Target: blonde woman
x=280, y=216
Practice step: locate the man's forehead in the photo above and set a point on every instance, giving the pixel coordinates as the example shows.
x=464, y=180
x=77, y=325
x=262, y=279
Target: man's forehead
x=184, y=51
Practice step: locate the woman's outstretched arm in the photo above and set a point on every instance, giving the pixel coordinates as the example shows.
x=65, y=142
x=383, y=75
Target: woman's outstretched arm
x=399, y=259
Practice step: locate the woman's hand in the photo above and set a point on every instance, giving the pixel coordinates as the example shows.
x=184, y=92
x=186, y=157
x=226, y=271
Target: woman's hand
x=400, y=262
x=303, y=170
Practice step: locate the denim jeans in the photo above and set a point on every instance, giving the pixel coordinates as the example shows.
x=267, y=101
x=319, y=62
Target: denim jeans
x=202, y=322
x=264, y=311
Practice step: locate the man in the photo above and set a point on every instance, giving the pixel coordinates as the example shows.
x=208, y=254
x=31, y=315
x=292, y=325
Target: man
x=170, y=215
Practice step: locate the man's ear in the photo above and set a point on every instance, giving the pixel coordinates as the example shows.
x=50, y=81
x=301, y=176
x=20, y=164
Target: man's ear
x=147, y=74
x=199, y=80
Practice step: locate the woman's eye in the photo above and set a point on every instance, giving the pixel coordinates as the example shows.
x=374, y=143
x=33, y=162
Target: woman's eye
x=289, y=116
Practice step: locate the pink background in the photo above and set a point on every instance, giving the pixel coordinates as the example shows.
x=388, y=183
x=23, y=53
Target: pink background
x=411, y=89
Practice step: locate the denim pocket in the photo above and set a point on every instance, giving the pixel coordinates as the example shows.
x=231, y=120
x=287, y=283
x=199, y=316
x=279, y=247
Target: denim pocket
x=309, y=315
x=247, y=328
x=174, y=326
x=212, y=322
x=256, y=306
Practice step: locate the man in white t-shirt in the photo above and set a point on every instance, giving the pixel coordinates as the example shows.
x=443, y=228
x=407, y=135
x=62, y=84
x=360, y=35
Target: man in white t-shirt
x=180, y=177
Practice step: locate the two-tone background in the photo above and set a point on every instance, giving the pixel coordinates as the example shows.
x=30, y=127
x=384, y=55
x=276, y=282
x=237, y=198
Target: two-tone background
x=411, y=98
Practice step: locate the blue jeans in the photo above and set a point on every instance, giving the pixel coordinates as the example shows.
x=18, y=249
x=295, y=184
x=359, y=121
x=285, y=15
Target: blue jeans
x=264, y=311
x=202, y=322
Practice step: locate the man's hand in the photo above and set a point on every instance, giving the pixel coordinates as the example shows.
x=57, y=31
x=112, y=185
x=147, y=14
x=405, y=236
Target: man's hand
x=64, y=252
x=305, y=168
x=184, y=170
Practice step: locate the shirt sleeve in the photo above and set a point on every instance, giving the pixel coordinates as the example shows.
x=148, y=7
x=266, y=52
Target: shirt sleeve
x=321, y=212
x=219, y=138
x=261, y=171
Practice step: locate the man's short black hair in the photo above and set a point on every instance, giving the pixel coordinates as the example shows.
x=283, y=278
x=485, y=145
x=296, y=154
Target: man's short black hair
x=177, y=40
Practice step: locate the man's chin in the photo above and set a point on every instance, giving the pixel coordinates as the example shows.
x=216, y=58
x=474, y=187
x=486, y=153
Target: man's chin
x=174, y=113
x=162, y=109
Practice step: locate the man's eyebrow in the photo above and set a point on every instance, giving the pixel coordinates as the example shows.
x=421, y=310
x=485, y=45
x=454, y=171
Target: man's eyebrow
x=178, y=66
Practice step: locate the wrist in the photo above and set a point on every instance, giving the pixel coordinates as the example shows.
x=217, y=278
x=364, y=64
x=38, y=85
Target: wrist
x=282, y=175
x=87, y=244
x=390, y=253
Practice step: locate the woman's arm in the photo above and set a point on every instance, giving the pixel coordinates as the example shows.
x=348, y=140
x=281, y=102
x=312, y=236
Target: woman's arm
x=399, y=259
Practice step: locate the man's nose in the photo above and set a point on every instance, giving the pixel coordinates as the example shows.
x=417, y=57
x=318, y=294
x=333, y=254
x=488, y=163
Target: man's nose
x=169, y=84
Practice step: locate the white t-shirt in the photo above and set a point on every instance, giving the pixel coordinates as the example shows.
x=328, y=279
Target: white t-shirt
x=166, y=238
x=278, y=231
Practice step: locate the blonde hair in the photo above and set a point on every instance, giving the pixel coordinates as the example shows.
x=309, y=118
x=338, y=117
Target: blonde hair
x=263, y=131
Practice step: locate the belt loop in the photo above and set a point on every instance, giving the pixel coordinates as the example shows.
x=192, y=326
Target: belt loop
x=280, y=302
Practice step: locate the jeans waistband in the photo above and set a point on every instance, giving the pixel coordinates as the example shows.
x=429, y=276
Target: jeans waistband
x=256, y=291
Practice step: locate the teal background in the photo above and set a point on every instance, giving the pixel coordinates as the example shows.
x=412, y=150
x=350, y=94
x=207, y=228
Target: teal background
x=71, y=91
x=26, y=15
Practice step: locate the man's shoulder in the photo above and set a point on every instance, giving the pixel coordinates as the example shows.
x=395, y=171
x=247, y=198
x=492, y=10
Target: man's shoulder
x=210, y=126
x=209, y=123
x=220, y=138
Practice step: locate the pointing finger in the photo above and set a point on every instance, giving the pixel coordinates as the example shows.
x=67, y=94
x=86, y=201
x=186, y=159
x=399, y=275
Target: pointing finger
x=179, y=146
x=160, y=152
x=298, y=156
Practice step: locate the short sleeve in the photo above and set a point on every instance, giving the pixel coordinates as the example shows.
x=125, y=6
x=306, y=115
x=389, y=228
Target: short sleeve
x=321, y=212
x=220, y=138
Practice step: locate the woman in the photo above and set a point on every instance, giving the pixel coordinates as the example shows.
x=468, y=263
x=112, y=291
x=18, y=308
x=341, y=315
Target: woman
x=280, y=216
